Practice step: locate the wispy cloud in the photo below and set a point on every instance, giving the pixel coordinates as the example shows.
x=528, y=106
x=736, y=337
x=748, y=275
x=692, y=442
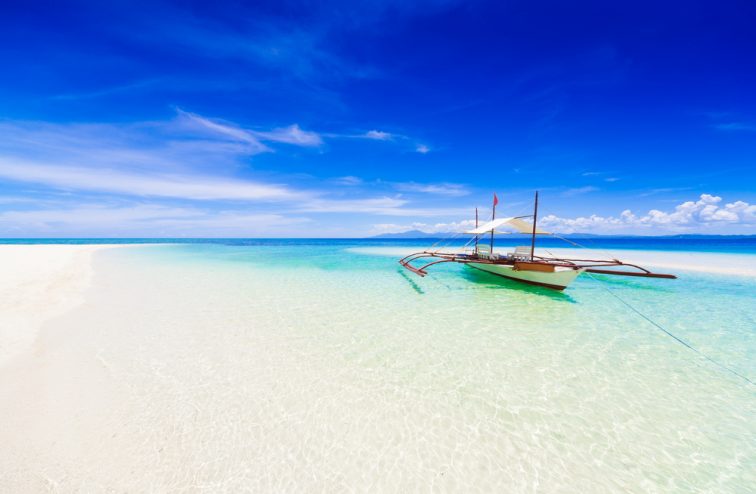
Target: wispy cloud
x=204, y=188
x=107, y=91
x=401, y=140
x=661, y=190
x=730, y=122
x=441, y=228
x=131, y=219
x=384, y=206
x=443, y=189
x=373, y=205
x=736, y=126
x=579, y=191
x=186, y=158
x=438, y=189
x=292, y=134
x=153, y=145
x=257, y=41
x=195, y=186
x=599, y=175
x=349, y=180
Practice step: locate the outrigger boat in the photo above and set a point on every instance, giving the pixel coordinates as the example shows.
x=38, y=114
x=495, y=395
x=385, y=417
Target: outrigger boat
x=523, y=264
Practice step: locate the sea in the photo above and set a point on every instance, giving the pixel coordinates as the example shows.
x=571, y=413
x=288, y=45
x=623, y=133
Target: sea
x=298, y=365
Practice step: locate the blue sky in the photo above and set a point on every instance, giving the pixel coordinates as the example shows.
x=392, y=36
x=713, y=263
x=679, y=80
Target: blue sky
x=356, y=118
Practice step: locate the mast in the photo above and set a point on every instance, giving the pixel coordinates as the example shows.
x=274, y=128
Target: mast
x=535, y=219
x=476, y=226
x=493, y=217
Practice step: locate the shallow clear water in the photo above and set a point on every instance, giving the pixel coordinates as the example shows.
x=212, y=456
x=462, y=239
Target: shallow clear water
x=329, y=368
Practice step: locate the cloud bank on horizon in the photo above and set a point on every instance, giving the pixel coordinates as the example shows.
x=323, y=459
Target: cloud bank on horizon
x=707, y=214
x=353, y=118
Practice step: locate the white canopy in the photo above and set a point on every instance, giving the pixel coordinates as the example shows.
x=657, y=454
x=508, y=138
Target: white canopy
x=518, y=224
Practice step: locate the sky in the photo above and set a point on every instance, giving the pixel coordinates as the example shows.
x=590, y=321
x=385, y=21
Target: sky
x=350, y=118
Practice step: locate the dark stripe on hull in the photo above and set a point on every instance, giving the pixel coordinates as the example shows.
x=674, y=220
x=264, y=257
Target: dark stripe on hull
x=527, y=282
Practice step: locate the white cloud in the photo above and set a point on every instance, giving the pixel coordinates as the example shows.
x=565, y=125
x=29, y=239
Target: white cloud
x=226, y=130
x=579, y=190
x=384, y=206
x=55, y=173
x=663, y=190
x=97, y=179
x=378, y=135
x=162, y=145
x=136, y=219
x=736, y=126
x=204, y=188
x=705, y=214
x=452, y=227
x=348, y=180
x=444, y=189
x=167, y=160
x=372, y=205
x=17, y=200
x=292, y=134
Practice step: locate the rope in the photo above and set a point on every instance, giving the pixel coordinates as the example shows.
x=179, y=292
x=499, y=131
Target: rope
x=447, y=242
x=600, y=249
x=611, y=255
x=679, y=340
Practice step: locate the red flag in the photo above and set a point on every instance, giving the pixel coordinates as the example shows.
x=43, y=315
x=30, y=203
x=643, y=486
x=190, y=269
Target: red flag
x=496, y=199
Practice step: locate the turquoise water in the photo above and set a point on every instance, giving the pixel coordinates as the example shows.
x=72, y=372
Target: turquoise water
x=324, y=366
x=375, y=377
x=713, y=312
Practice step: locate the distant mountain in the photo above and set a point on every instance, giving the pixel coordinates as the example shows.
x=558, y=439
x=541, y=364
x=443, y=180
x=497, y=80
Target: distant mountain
x=421, y=234
x=692, y=236
x=695, y=236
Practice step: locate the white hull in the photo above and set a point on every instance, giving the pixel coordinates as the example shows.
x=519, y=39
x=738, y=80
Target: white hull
x=558, y=279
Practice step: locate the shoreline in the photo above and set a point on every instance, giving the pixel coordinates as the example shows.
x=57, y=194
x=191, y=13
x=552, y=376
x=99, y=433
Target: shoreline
x=40, y=282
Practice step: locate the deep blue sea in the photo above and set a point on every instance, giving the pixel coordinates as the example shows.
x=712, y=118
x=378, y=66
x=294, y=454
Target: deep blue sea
x=724, y=244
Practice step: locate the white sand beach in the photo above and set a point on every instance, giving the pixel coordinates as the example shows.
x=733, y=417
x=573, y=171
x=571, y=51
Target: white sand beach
x=39, y=282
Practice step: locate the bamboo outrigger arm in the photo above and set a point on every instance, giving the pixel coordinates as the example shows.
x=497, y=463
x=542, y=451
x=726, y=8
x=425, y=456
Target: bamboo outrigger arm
x=421, y=271
x=645, y=274
x=598, y=264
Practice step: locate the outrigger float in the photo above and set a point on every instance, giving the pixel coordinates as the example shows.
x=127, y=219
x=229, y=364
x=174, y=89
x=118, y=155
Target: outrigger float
x=522, y=264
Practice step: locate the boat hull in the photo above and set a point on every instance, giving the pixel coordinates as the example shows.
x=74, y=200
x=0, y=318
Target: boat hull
x=557, y=280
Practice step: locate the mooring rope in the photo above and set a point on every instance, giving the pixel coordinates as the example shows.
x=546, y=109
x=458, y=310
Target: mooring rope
x=600, y=249
x=679, y=340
